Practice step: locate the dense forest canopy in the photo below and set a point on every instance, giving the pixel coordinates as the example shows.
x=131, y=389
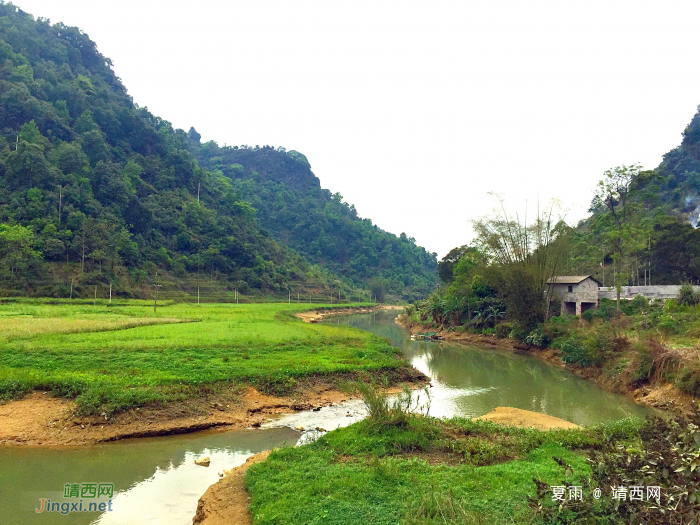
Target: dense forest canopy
x=318, y=224
x=97, y=190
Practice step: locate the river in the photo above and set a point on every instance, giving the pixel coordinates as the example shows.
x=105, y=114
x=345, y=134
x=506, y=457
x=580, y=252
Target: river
x=156, y=481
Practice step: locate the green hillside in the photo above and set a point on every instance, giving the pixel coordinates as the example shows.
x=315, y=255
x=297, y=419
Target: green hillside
x=96, y=190
x=318, y=224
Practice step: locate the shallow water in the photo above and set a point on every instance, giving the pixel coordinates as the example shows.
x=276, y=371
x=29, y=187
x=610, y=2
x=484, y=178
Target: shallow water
x=156, y=481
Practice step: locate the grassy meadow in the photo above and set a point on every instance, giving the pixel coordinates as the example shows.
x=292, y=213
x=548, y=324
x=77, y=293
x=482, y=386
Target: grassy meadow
x=427, y=471
x=114, y=357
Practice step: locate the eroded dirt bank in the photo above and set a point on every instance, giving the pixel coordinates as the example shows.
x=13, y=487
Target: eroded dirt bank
x=226, y=501
x=663, y=396
x=42, y=420
x=314, y=316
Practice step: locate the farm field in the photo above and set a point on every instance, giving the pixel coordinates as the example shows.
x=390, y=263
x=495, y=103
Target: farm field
x=110, y=358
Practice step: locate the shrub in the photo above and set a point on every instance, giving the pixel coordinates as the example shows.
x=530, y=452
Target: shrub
x=656, y=362
x=576, y=353
x=688, y=296
x=537, y=338
x=503, y=330
x=665, y=455
x=637, y=305
x=667, y=325
x=689, y=379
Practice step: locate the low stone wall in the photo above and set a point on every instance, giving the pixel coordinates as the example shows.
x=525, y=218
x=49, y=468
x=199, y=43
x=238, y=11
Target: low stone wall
x=650, y=292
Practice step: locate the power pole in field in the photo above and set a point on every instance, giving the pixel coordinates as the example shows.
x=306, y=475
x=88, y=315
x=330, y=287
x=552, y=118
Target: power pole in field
x=155, y=301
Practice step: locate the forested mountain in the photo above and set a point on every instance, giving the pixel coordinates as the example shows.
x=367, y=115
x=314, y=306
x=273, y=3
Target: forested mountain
x=648, y=218
x=318, y=224
x=96, y=190
x=680, y=170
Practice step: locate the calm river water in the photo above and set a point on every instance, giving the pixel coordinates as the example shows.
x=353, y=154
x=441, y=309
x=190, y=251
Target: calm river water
x=156, y=482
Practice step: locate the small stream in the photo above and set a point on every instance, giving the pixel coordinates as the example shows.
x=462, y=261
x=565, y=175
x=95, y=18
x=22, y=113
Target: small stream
x=156, y=481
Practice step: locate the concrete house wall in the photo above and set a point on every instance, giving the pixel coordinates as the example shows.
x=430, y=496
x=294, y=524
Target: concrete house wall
x=575, y=297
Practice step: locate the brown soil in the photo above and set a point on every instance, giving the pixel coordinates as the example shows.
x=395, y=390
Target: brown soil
x=315, y=316
x=40, y=419
x=524, y=418
x=226, y=502
x=661, y=396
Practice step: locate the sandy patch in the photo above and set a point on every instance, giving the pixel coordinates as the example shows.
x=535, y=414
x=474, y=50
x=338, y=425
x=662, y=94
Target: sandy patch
x=524, y=418
x=226, y=502
x=315, y=316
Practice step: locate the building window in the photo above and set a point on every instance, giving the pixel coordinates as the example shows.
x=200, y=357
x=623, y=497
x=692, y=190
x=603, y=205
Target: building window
x=571, y=288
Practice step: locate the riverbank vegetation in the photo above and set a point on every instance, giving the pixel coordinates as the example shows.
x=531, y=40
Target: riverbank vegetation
x=113, y=357
x=640, y=232
x=414, y=469
x=646, y=344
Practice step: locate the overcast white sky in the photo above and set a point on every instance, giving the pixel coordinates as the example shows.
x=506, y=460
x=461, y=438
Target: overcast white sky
x=414, y=111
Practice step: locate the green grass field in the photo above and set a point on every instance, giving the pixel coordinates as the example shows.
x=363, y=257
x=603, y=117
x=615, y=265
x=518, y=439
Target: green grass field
x=457, y=471
x=114, y=357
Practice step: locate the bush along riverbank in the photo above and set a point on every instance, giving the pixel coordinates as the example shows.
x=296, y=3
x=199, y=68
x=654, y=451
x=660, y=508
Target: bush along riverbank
x=410, y=468
x=649, y=350
x=74, y=372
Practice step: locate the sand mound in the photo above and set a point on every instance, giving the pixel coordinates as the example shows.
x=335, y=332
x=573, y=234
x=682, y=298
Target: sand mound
x=524, y=418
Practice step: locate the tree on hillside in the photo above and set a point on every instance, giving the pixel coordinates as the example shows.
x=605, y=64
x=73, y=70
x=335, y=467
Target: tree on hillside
x=447, y=263
x=624, y=233
x=524, y=258
x=16, y=246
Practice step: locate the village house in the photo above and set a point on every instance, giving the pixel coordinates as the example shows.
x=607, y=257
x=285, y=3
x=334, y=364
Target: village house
x=577, y=293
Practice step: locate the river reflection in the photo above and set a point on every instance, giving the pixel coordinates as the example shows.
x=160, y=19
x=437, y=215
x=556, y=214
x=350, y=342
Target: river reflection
x=155, y=480
x=471, y=381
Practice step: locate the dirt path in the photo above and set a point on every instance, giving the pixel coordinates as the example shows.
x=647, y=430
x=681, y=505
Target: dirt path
x=524, y=418
x=226, y=502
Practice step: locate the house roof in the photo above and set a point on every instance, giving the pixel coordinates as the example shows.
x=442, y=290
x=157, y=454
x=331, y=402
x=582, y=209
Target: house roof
x=570, y=279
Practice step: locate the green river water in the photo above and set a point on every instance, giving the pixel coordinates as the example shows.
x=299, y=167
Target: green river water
x=156, y=481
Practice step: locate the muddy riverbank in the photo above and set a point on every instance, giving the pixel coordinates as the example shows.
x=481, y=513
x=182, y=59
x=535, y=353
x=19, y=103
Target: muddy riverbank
x=42, y=420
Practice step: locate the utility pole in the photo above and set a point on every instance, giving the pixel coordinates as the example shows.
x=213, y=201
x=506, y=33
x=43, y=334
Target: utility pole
x=71, y=288
x=155, y=302
x=60, y=203
x=197, y=295
x=289, y=299
x=110, y=293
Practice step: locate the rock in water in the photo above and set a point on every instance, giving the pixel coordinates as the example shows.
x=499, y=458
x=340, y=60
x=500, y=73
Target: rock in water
x=202, y=462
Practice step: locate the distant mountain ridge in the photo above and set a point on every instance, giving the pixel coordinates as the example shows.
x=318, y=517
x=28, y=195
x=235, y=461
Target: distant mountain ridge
x=317, y=223
x=95, y=190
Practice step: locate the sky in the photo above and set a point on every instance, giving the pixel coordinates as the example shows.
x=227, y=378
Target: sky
x=416, y=112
